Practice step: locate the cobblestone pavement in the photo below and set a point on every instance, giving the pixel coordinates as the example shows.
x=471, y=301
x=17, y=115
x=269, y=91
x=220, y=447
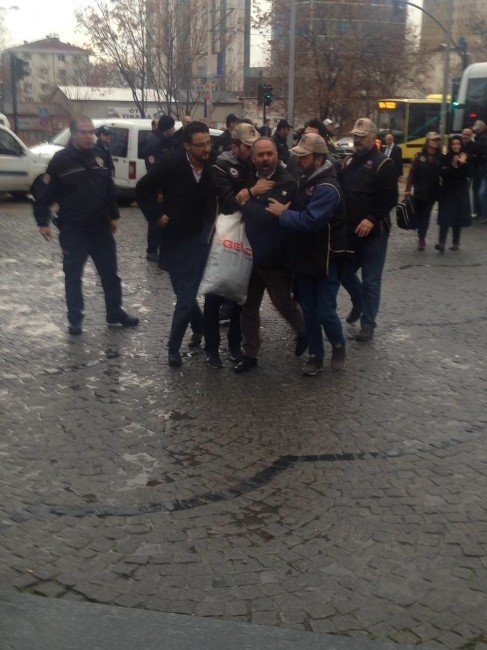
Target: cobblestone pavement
x=352, y=504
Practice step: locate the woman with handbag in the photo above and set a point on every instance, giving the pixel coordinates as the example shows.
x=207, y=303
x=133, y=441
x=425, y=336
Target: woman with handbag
x=454, y=211
x=424, y=183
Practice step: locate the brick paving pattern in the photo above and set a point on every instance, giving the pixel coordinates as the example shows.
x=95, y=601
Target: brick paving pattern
x=350, y=504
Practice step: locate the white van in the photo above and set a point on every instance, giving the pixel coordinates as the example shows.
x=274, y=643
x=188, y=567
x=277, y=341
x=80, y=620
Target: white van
x=20, y=168
x=126, y=148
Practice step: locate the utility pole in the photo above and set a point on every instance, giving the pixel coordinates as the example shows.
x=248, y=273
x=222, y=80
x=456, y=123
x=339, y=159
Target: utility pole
x=18, y=70
x=292, y=63
x=446, y=72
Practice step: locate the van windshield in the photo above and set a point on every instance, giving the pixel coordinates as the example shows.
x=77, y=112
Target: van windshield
x=61, y=139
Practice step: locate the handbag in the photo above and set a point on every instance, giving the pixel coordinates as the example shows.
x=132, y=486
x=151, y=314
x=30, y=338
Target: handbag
x=229, y=263
x=406, y=216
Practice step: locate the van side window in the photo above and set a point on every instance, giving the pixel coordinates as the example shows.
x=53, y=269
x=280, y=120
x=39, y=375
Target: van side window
x=142, y=137
x=9, y=146
x=119, y=143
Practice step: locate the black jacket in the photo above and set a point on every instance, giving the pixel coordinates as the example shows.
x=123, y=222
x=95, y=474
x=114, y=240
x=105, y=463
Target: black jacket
x=318, y=223
x=369, y=184
x=424, y=177
x=229, y=175
x=396, y=156
x=188, y=204
x=282, y=148
x=103, y=152
x=156, y=148
x=269, y=242
x=221, y=143
x=81, y=183
x=454, y=203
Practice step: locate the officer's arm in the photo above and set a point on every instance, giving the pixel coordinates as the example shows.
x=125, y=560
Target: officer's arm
x=320, y=210
x=225, y=190
x=400, y=169
x=148, y=189
x=386, y=195
x=47, y=195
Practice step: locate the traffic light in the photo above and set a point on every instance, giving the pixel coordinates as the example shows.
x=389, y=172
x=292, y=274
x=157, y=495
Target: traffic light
x=20, y=68
x=267, y=95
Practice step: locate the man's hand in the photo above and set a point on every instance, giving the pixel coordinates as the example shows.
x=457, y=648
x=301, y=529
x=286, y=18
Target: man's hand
x=277, y=208
x=407, y=195
x=364, y=228
x=114, y=225
x=160, y=198
x=262, y=186
x=46, y=232
x=243, y=196
x=163, y=220
x=462, y=158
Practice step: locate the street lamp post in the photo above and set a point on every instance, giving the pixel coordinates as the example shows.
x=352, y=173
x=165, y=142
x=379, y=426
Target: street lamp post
x=292, y=63
x=446, y=72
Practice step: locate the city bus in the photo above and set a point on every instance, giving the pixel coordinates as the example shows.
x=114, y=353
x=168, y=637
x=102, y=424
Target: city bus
x=409, y=120
x=471, y=103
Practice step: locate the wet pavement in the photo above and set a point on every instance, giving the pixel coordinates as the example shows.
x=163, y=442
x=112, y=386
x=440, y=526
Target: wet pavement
x=350, y=504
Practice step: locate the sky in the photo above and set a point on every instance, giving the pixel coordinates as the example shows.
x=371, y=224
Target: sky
x=34, y=19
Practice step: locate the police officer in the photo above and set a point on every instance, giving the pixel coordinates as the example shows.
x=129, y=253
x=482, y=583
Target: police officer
x=102, y=147
x=159, y=142
x=80, y=182
x=224, y=141
x=229, y=175
x=369, y=185
x=157, y=146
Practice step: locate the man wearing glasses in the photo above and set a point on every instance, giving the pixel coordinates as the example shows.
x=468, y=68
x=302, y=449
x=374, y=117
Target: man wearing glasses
x=187, y=207
x=81, y=183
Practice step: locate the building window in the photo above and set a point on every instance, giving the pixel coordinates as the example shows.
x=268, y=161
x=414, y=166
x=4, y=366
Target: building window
x=44, y=57
x=62, y=76
x=45, y=88
x=27, y=56
x=29, y=100
x=27, y=88
x=61, y=57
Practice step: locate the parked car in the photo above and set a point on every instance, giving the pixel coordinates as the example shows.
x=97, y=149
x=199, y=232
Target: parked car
x=126, y=147
x=20, y=168
x=344, y=147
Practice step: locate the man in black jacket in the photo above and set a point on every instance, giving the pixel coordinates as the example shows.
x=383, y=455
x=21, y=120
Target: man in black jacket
x=281, y=134
x=187, y=207
x=81, y=183
x=318, y=248
x=229, y=175
x=269, y=244
x=392, y=151
x=369, y=185
x=102, y=147
x=224, y=141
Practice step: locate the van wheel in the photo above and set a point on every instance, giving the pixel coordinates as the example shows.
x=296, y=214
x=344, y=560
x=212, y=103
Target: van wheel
x=18, y=196
x=124, y=201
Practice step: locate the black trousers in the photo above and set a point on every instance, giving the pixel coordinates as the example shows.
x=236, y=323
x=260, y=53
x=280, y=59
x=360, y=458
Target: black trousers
x=78, y=242
x=211, y=318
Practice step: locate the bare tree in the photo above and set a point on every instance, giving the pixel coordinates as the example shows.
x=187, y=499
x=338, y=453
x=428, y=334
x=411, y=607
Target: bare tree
x=343, y=65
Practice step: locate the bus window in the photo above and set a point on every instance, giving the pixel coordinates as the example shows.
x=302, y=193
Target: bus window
x=392, y=119
x=423, y=118
x=476, y=100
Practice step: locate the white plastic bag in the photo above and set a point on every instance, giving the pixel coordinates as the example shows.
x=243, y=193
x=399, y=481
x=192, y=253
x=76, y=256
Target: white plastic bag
x=229, y=263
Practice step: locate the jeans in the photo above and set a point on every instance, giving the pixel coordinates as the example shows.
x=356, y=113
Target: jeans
x=370, y=257
x=483, y=197
x=424, y=212
x=184, y=260
x=211, y=317
x=318, y=298
x=78, y=242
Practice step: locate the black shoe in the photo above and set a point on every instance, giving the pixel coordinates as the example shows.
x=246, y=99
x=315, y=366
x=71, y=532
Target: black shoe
x=354, y=315
x=245, y=364
x=152, y=257
x=75, y=329
x=455, y=247
x=301, y=344
x=235, y=354
x=339, y=357
x=313, y=366
x=225, y=313
x=174, y=359
x=440, y=247
x=195, y=341
x=213, y=360
x=123, y=319
x=366, y=333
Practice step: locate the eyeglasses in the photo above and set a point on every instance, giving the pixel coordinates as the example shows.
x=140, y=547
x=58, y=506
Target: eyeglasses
x=86, y=132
